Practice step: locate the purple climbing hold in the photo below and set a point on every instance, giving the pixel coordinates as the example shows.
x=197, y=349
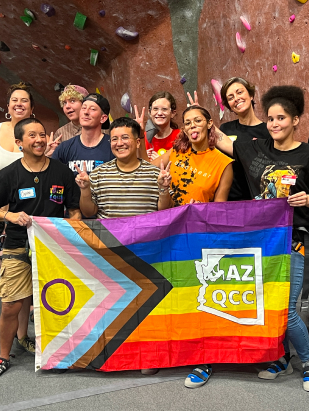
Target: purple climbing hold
x=102, y=13
x=126, y=34
x=126, y=103
x=48, y=9
x=103, y=49
x=183, y=80
x=292, y=18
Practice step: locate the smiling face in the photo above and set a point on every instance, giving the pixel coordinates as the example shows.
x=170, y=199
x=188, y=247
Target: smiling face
x=161, y=112
x=91, y=115
x=196, y=128
x=34, y=140
x=239, y=99
x=71, y=108
x=124, y=144
x=280, y=124
x=19, y=106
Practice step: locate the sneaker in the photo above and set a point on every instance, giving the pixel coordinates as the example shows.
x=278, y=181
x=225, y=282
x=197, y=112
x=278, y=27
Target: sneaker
x=149, y=371
x=199, y=376
x=27, y=344
x=276, y=368
x=306, y=378
x=4, y=365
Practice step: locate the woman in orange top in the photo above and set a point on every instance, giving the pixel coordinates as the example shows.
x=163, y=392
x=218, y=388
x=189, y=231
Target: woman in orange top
x=200, y=172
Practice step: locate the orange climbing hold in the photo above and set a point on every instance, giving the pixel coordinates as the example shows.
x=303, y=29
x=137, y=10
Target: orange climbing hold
x=67, y=47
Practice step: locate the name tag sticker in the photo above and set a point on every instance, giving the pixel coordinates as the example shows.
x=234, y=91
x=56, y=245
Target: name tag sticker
x=25, y=193
x=291, y=180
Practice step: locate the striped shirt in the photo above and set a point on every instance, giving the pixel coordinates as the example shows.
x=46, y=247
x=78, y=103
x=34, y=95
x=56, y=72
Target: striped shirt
x=122, y=194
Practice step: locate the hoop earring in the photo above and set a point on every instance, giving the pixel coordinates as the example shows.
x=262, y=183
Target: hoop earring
x=33, y=115
x=20, y=148
x=8, y=116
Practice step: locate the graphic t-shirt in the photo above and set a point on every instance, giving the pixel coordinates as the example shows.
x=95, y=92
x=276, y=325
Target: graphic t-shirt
x=271, y=173
x=241, y=133
x=73, y=151
x=162, y=145
x=56, y=188
x=196, y=174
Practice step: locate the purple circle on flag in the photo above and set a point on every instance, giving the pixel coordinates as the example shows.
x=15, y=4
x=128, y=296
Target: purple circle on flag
x=45, y=303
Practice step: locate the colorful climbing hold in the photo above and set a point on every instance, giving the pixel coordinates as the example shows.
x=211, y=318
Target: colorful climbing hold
x=102, y=13
x=103, y=49
x=275, y=68
x=303, y=1
x=245, y=22
x=48, y=9
x=3, y=46
x=216, y=86
x=94, y=57
x=240, y=43
x=126, y=34
x=126, y=103
x=295, y=57
x=28, y=12
x=126, y=115
x=27, y=20
x=292, y=18
x=67, y=47
x=183, y=80
x=36, y=47
x=102, y=89
x=2, y=15
x=80, y=20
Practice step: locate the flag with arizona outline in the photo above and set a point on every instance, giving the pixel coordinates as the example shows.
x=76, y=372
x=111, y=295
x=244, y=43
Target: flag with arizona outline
x=200, y=283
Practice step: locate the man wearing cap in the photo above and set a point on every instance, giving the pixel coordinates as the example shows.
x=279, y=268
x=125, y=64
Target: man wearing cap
x=71, y=100
x=92, y=146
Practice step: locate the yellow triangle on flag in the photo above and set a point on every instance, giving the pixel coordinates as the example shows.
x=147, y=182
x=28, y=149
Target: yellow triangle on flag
x=58, y=296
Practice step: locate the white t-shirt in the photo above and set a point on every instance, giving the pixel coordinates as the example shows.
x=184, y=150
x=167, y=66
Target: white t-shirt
x=8, y=157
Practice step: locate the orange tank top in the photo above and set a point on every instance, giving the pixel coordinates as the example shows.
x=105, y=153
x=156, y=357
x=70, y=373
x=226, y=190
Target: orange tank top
x=196, y=174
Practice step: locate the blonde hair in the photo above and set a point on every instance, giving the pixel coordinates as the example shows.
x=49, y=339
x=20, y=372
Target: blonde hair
x=70, y=92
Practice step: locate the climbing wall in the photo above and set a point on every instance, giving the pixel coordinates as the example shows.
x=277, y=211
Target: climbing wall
x=136, y=48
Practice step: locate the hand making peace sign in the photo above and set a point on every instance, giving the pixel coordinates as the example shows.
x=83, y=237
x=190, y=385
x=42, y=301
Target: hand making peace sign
x=164, y=177
x=82, y=178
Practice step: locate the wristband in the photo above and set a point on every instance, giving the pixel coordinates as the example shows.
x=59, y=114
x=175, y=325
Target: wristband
x=162, y=190
x=5, y=215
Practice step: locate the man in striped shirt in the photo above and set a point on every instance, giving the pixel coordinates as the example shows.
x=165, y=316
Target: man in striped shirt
x=127, y=185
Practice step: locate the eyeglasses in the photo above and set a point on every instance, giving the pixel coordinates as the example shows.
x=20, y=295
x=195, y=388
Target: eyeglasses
x=197, y=121
x=124, y=139
x=163, y=110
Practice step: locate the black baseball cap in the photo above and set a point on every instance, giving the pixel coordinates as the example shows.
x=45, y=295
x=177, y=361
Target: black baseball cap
x=103, y=103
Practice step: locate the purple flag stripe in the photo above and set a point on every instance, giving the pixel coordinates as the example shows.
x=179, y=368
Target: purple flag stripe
x=228, y=217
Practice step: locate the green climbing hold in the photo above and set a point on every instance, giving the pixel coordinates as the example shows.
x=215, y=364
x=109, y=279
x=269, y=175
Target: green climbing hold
x=80, y=20
x=94, y=57
x=27, y=20
x=127, y=115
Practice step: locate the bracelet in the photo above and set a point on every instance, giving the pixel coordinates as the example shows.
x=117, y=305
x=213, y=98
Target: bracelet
x=162, y=190
x=5, y=215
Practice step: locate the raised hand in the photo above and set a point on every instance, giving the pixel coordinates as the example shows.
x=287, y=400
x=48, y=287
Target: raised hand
x=82, y=178
x=195, y=101
x=140, y=119
x=164, y=177
x=51, y=144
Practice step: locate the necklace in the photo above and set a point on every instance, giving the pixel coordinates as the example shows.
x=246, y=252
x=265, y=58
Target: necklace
x=36, y=178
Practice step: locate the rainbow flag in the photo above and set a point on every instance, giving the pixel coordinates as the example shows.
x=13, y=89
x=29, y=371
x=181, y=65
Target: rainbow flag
x=202, y=283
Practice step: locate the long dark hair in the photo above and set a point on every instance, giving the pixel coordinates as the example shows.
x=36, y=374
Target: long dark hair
x=170, y=98
x=182, y=142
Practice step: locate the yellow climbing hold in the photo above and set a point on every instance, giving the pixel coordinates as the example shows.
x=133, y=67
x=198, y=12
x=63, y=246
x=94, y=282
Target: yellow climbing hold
x=295, y=57
x=303, y=1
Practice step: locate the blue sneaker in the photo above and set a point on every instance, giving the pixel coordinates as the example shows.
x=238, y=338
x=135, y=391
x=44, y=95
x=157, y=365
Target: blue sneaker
x=276, y=368
x=306, y=378
x=199, y=376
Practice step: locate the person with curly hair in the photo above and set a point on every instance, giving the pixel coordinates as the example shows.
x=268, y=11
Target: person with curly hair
x=285, y=162
x=71, y=100
x=200, y=173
